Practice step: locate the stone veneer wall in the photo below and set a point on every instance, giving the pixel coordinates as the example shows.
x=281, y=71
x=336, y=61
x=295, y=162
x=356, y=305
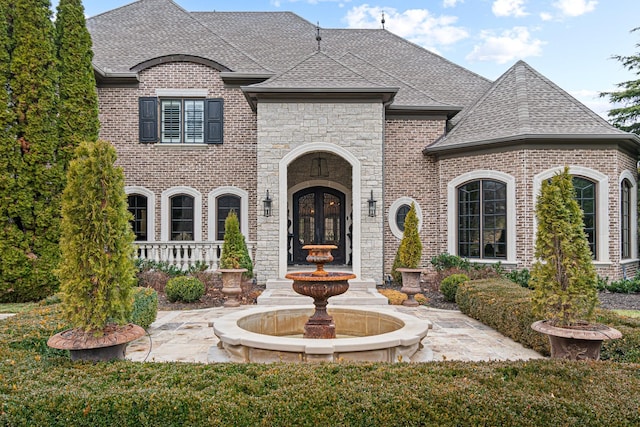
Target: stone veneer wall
x=523, y=165
x=408, y=173
x=204, y=167
x=286, y=126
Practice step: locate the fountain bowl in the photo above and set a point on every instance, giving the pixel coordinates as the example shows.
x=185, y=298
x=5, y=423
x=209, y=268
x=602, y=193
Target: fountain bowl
x=275, y=334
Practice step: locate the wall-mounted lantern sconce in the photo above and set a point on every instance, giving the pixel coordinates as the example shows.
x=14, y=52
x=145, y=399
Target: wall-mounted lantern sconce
x=267, y=205
x=372, y=205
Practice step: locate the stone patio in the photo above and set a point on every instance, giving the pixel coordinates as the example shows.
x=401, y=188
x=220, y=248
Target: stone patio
x=187, y=336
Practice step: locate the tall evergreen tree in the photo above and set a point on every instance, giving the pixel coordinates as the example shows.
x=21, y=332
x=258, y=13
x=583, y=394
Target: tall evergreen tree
x=78, y=98
x=627, y=117
x=38, y=178
x=97, y=272
x=10, y=235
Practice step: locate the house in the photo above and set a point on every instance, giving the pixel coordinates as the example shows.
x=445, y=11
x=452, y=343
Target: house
x=329, y=135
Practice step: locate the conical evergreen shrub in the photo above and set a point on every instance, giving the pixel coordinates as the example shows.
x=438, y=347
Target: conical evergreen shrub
x=410, y=250
x=97, y=272
x=234, y=249
x=564, y=278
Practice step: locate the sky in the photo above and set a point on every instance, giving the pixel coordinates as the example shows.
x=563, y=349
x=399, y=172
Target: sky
x=571, y=42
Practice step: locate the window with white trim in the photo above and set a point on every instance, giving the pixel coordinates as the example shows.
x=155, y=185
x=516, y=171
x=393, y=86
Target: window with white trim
x=226, y=204
x=482, y=219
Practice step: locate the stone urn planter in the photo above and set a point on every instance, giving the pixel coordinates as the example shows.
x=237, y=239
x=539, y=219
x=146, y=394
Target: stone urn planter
x=232, y=285
x=86, y=346
x=580, y=342
x=410, y=284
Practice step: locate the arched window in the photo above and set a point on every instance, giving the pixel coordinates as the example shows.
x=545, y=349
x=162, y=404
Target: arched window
x=586, y=197
x=224, y=205
x=182, y=217
x=138, y=208
x=625, y=219
x=482, y=219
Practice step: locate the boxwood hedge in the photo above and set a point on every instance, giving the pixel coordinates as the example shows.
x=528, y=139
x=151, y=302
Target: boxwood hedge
x=40, y=387
x=506, y=307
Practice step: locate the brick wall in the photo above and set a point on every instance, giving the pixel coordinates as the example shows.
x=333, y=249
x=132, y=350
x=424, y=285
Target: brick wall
x=203, y=168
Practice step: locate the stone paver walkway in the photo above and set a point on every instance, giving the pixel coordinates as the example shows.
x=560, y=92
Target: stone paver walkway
x=187, y=336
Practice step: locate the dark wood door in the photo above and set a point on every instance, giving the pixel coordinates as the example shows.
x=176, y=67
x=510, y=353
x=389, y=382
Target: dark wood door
x=318, y=218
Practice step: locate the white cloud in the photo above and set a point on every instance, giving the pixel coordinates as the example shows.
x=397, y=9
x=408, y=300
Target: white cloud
x=545, y=16
x=416, y=25
x=592, y=99
x=451, y=3
x=508, y=46
x=509, y=8
x=575, y=7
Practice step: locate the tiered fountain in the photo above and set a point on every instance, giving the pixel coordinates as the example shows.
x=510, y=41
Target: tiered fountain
x=320, y=285
x=301, y=334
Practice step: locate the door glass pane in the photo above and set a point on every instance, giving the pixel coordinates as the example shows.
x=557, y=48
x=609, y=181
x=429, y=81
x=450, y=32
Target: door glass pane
x=332, y=211
x=306, y=219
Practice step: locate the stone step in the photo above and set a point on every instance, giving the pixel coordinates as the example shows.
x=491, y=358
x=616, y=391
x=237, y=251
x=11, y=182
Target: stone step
x=273, y=297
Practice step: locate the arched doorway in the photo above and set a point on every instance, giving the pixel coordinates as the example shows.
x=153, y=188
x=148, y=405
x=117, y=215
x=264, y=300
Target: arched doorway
x=319, y=218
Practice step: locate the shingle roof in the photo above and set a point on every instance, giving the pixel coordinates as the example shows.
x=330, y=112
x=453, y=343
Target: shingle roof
x=523, y=104
x=148, y=29
x=520, y=104
x=318, y=71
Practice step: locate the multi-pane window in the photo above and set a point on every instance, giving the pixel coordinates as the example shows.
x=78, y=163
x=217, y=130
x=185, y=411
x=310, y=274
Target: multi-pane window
x=182, y=121
x=138, y=208
x=625, y=218
x=182, y=218
x=482, y=219
x=224, y=205
x=401, y=216
x=586, y=197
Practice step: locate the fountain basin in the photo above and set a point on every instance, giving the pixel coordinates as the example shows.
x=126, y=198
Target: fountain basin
x=274, y=334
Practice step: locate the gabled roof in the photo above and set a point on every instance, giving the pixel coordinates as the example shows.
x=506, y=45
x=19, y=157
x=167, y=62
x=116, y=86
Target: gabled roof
x=149, y=29
x=524, y=105
x=268, y=43
x=321, y=76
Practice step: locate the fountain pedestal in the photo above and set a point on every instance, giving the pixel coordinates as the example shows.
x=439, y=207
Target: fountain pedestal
x=320, y=285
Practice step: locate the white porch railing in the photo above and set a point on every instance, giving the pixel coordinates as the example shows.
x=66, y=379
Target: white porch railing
x=186, y=254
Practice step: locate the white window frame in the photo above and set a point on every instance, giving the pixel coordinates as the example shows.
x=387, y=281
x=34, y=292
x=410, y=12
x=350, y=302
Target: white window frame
x=393, y=211
x=213, y=211
x=151, y=209
x=602, y=205
x=165, y=216
x=181, y=95
x=452, y=212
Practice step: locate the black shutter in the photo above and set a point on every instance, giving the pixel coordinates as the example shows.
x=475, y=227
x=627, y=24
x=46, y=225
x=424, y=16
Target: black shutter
x=213, y=122
x=148, y=119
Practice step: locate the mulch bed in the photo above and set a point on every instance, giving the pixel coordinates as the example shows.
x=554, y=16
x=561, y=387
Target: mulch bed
x=214, y=297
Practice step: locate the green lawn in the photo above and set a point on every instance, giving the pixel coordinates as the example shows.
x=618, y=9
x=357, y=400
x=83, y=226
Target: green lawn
x=628, y=313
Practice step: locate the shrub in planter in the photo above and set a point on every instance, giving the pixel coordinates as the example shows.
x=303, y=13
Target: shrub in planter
x=449, y=286
x=145, y=307
x=185, y=289
x=410, y=249
x=234, y=249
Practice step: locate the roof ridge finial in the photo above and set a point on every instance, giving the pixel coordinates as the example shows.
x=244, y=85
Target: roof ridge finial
x=383, y=21
x=318, y=38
